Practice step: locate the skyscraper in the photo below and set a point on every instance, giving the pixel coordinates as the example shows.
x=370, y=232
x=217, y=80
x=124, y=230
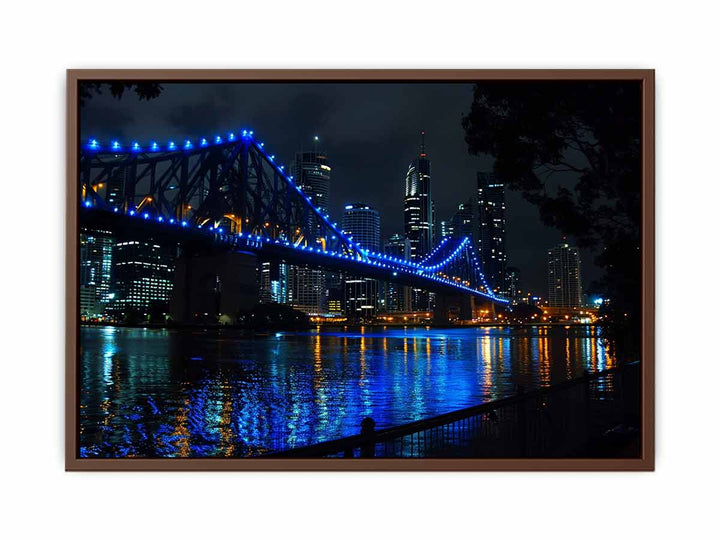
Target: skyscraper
x=491, y=230
x=142, y=279
x=397, y=297
x=464, y=221
x=273, y=282
x=95, y=272
x=418, y=205
x=512, y=277
x=362, y=223
x=446, y=228
x=307, y=289
x=564, y=285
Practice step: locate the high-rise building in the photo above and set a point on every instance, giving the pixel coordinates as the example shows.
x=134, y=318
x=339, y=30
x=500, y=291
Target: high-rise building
x=95, y=272
x=397, y=296
x=512, y=277
x=434, y=239
x=446, y=228
x=361, y=222
x=564, y=285
x=142, y=279
x=273, y=282
x=418, y=205
x=307, y=290
x=464, y=221
x=490, y=239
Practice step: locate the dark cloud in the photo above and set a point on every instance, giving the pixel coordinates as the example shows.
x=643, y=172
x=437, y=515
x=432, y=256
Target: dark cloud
x=370, y=131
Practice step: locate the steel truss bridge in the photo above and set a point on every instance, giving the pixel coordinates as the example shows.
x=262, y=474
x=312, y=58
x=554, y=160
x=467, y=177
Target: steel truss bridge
x=231, y=192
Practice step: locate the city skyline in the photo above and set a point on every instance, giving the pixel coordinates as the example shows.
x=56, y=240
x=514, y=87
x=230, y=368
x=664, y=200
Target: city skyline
x=387, y=149
x=480, y=220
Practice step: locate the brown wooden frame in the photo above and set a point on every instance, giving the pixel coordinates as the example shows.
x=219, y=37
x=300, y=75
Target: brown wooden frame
x=644, y=463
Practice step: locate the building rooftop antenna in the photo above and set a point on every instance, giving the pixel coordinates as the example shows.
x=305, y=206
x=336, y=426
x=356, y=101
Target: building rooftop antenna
x=422, y=144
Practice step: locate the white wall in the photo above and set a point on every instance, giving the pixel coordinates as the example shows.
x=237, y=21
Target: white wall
x=39, y=42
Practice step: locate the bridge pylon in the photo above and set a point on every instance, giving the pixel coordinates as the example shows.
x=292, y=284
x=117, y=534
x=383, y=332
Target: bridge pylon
x=208, y=286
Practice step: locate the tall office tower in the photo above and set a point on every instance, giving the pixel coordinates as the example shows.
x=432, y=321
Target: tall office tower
x=418, y=205
x=512, y=277
x=564, y=286
x=361, y=222
x=446, y=228
x=397, y=296
x=142, y=280
x=434, y=225
x=464, y=221
x=307, y=286
x=273, y=280
x=491, y=230
x=95, y=272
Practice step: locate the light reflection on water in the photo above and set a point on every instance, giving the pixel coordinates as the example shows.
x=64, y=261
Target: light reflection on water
x=171, y=393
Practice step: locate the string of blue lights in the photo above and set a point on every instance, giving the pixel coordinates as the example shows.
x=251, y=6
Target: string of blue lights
x=361, y=256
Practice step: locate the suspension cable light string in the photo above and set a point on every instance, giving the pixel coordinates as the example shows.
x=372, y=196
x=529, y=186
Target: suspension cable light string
x=448, y=259
x=435, y=250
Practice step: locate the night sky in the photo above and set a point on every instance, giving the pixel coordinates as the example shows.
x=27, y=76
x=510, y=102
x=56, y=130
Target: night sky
x=371, y=132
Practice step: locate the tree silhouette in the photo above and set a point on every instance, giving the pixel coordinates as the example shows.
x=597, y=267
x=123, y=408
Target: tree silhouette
x=144, y=90
x=574, y=150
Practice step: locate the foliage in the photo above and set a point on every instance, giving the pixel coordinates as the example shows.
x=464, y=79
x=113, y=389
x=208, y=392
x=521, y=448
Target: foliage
x=144, y=90
x=574, y=150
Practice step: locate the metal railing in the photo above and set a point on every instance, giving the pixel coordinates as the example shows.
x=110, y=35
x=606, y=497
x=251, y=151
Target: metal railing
x=575, y=418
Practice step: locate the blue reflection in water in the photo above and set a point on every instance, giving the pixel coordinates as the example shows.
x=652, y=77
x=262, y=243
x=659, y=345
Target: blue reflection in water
x=145, y=393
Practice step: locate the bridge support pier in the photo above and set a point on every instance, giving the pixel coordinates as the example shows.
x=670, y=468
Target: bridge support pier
x=213, y=287
x=452, y=307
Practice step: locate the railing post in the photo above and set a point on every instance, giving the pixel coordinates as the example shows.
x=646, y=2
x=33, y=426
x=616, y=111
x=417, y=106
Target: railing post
x=522, y=422
x=588, y=414
x=367, y=431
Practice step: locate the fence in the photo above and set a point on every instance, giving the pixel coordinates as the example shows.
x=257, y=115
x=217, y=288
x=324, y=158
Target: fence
x=584, y=417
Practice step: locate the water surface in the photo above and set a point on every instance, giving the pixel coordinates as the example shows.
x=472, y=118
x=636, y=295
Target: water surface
x=182, y=393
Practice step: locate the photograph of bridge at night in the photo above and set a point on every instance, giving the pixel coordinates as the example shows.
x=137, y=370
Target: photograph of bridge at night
x=359, y=269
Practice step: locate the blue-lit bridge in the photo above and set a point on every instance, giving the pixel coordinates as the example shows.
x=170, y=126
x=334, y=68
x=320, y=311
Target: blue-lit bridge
x=230, y=194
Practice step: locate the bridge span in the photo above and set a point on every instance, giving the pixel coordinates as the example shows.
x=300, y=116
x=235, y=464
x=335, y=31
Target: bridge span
x=228, y=195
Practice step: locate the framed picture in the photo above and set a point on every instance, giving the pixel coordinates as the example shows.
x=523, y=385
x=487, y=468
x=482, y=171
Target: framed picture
x=360, y=270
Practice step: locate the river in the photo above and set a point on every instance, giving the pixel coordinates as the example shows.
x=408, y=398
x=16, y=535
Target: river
x=209, y=393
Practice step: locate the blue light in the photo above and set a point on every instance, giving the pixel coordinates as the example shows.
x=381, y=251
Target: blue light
x=115, y=145
x=231, y=136
x=188, y=145
x=172, y=146
x=154, y=147
x=203, y=142
x=218, y=139
x=271, y=157
x=115, y=209
x=88, y=204
x=220, y=230
x=132, y=212
x=184, y=223
x=172, y=220
x=135, y=147
x=93, y=144
x=160, y=219
x=146, y=215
